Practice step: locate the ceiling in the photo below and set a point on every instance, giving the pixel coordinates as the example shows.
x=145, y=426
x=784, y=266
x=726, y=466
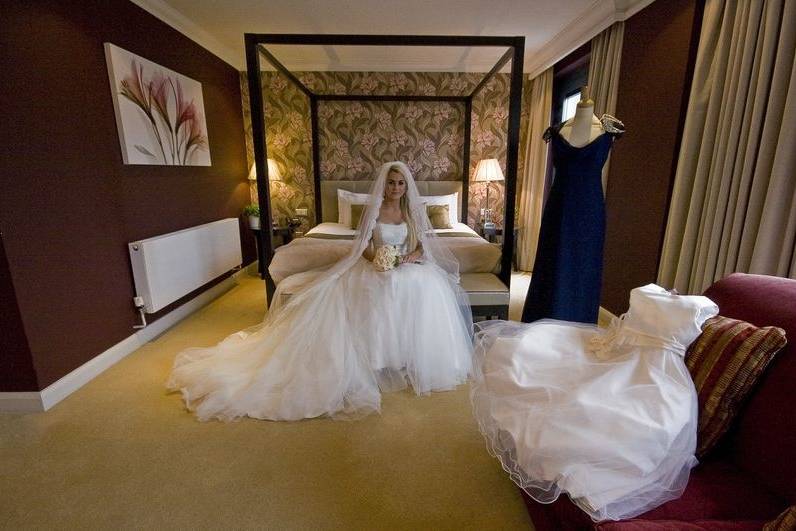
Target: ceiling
x=552, y=29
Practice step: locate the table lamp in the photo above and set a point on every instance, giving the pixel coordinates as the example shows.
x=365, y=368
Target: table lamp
x=488, y=170
x=273, y=175
x=273, y=171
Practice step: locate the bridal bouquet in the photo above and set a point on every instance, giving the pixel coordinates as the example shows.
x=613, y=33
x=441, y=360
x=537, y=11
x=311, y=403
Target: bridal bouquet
x=387, y=257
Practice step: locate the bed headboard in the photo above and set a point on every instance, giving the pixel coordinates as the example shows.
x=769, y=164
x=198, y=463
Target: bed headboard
x=329, y=193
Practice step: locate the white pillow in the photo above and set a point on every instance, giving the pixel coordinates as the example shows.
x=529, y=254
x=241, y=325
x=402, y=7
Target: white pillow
x=452, y=200
x=344, y=201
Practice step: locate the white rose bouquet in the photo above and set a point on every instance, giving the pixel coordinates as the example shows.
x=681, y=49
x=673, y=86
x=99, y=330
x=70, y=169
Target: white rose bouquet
x=387, y=257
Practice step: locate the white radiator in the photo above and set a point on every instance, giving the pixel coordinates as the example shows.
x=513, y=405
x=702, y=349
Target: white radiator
x=170, y=266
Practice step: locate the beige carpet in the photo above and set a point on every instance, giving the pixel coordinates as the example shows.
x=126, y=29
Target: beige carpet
x=120, y=453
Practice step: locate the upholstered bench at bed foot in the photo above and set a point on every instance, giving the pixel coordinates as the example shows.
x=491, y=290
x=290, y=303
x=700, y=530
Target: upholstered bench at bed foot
x=489, y=297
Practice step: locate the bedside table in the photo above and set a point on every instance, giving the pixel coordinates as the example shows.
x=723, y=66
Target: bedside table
x=283, y=234
x=495, y=235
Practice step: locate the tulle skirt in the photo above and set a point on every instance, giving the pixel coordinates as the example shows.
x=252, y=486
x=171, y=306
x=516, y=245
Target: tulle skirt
x=333, y=349
x=618, y=436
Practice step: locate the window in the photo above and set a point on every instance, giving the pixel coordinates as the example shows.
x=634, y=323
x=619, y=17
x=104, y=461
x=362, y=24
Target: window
x=569, y=106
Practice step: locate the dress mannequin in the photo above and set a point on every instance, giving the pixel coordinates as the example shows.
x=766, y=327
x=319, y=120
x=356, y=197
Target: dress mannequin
x=567, y=272
x=584, y=127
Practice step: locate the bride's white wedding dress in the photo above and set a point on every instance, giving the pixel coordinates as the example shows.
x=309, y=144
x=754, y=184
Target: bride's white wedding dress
x=607, y=416
x=337, y=343
x=409, y=321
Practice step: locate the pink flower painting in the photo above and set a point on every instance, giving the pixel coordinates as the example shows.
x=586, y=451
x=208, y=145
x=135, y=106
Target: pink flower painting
x=159, y=113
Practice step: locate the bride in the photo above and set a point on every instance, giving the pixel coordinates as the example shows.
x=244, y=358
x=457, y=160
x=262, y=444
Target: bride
x=331, y=347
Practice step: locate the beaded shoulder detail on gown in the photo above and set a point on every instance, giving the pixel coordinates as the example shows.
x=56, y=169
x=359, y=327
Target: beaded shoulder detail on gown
x=610, y=125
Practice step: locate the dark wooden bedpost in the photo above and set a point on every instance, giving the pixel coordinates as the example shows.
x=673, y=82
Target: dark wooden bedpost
x=265, y=245
x=255, y=48
x=316, y=159
x=512, y=152
x=468, y=118
x=515, y=55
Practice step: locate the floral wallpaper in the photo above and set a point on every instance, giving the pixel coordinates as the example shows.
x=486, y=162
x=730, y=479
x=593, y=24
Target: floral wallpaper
x=288, y=142
x=489, y=136
x=428, y=136
x=356, y=137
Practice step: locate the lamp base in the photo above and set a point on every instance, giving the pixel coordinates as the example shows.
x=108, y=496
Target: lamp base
x=489, y=225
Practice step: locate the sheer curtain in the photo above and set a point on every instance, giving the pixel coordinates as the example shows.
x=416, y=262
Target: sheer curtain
x=734, y=200
x=606, y=57
x=530, y=196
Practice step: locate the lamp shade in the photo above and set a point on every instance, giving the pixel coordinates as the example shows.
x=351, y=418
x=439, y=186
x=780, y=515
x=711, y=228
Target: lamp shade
x=273, y=171
x=488, y=170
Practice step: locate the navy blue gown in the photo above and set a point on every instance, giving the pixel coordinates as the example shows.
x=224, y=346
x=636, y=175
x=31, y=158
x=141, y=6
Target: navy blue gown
x=567, y=273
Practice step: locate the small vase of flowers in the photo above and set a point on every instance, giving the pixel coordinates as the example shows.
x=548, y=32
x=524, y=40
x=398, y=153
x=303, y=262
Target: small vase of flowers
x=252, y=211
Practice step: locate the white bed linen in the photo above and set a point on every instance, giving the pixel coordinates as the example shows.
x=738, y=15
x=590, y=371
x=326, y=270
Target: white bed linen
x=327, y=242
x=341, y=230
x=331, y=229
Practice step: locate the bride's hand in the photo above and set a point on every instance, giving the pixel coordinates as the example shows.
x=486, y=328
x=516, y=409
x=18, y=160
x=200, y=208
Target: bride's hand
x=411, y=257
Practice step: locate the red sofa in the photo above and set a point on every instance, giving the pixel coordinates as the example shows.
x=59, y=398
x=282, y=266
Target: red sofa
x=751, y=476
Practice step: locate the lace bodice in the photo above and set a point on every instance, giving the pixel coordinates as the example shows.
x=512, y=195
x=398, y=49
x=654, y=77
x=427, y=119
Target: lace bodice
x=391, y=234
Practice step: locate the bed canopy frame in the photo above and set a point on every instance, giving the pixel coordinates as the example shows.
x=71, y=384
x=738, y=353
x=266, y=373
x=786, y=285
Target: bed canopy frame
x=256, y=49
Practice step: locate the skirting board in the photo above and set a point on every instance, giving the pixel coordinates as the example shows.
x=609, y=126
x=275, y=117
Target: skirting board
x=36, y=401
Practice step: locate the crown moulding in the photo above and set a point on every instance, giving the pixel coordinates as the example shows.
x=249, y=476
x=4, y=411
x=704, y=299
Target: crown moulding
x=163, y=11
x=394, y=66
x=598, y=17
x=591, y=21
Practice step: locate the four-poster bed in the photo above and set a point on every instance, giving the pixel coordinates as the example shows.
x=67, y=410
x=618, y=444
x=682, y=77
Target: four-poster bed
x=482, y=282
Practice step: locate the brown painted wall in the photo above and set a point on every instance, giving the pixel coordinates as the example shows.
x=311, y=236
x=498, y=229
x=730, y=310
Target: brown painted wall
x=16, y=364
x=653, y=89
x=69, y=205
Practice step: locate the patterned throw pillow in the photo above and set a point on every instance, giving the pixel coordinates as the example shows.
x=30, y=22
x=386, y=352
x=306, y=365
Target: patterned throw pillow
x=439, y=215
x=726, y=361
x=786, y=521
x=452, y=200
x=356, y=215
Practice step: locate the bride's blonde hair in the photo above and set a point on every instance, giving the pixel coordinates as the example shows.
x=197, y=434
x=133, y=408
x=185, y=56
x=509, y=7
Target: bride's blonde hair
x=406, y=212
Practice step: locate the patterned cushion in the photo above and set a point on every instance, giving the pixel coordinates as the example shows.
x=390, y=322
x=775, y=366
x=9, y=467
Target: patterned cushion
x=726, y=361
x=439, y=215
x=356, y=215
x=786, y=521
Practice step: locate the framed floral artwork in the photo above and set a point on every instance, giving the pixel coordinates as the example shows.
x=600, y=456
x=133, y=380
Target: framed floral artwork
x=160, y=114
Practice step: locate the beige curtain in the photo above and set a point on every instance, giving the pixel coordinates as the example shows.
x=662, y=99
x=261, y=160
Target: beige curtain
x=606, y=56
x=734, y=200
x=530, y=195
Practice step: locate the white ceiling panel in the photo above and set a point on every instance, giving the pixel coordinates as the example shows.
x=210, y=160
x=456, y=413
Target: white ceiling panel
x=551, y=28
